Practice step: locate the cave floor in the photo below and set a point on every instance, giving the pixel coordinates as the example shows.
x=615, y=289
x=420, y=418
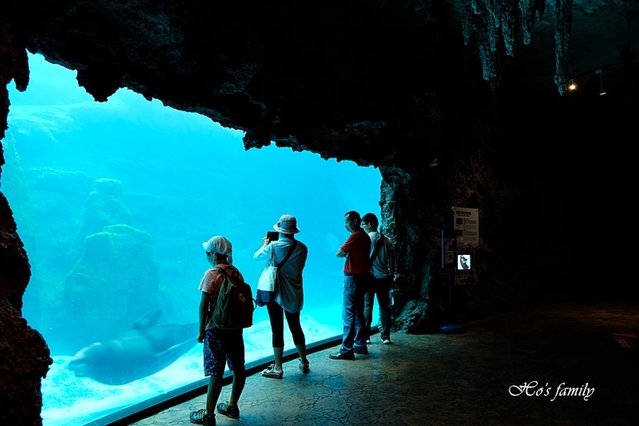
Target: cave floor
x=567, y=353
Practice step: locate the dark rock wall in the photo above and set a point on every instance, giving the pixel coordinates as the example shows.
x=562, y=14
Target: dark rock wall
x=324, y=77
x=23, y=351
x=388, y=83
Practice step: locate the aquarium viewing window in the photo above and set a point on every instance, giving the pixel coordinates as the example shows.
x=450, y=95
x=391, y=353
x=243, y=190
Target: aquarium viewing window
x=113, y=201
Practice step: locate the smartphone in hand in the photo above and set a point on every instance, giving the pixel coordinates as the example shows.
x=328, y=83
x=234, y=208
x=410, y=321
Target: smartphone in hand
x=272, y=235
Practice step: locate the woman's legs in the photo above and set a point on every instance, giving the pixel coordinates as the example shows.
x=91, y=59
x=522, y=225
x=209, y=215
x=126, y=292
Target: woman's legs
x=293, y=320
x=276, y=317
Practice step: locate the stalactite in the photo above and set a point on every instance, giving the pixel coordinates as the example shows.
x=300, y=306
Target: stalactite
x=480, y=27
x=509, y=18
x=563, y=21
x=493, y=25
x=488, y=65
x=466, y=25
x=527, y=20
x=486, y=23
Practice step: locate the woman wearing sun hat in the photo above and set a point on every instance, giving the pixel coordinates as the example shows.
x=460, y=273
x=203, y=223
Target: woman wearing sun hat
x=290, y=293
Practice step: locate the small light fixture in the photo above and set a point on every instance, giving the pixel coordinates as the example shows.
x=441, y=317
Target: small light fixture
x=572, y=85
x=599, y=72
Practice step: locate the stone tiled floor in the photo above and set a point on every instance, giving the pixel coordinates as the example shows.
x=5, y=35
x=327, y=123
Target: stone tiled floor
x=472, y=378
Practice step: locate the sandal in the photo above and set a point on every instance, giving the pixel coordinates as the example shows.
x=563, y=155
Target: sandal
x=271, y=372
x=304, y=367
x=199, y=417
x=228, y=410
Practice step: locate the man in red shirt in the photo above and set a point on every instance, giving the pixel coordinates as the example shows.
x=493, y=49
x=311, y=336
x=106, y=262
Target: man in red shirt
x=356, y=250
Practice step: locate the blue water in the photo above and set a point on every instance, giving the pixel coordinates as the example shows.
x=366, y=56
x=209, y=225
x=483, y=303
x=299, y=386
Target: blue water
x=113, y=200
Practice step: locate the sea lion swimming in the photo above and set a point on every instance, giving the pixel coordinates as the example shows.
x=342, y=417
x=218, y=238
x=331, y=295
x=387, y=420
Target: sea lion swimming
x=137, y=352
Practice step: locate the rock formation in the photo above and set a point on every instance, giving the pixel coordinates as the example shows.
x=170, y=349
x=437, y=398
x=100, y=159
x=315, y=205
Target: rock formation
x=459, y=103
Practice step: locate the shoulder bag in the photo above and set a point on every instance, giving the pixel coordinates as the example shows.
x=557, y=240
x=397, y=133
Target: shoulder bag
x=267, y=283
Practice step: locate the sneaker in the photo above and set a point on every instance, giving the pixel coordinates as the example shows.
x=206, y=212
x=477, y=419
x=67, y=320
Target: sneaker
x=386, y=341
x=362, y=350
x=304, y=367
x=342, y=355
x=199, y=417
x=272, y=372
x=228, y=410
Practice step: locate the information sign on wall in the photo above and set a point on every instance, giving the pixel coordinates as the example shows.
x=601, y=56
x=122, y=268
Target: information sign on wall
x=466, y=226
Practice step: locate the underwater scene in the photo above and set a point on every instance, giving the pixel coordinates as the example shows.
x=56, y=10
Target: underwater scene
x=113, y=201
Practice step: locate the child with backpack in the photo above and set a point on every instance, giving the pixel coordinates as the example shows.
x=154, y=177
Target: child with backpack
x=222, y=343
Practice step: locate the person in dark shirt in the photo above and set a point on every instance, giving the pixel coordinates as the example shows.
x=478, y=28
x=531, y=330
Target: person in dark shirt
x=356, y=250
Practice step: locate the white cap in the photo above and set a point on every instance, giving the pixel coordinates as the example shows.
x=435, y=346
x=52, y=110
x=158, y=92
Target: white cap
x=219, y=245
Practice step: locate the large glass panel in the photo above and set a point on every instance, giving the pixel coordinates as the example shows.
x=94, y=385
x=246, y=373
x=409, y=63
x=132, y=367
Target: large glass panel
x=113, y=201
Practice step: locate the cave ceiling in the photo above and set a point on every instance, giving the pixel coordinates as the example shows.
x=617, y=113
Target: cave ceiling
x=374, y=81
